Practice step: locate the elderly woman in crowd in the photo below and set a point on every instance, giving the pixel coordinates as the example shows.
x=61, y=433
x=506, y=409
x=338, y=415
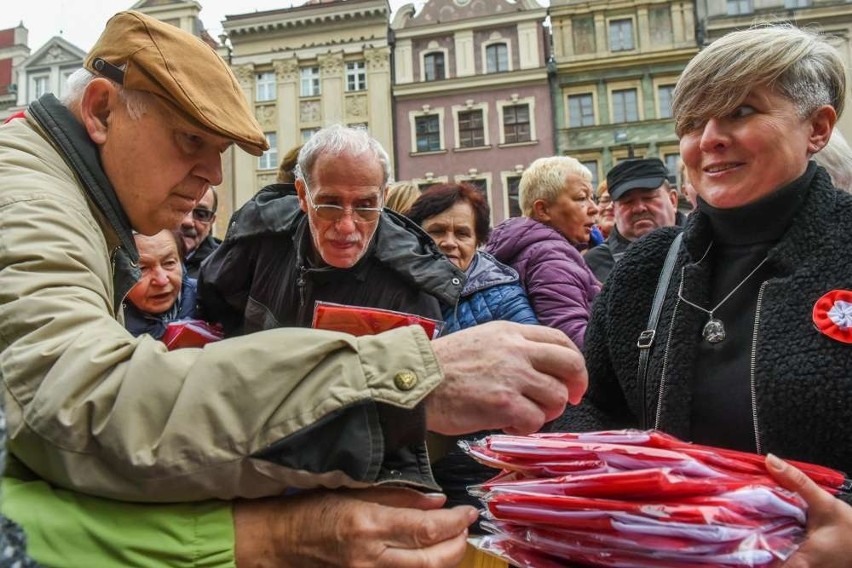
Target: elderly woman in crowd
x=544, y=245
x=753, y=347
x=164, y=293
x=606, y=212
x=456, y=216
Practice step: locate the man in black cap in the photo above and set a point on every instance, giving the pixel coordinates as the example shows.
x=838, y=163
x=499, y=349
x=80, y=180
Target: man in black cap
x=643, y=200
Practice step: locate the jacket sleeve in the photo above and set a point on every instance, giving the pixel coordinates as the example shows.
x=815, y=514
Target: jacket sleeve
x=224, y=282
x=604, y=406
x=557, y=289
x=513, y=305
x=92, y=408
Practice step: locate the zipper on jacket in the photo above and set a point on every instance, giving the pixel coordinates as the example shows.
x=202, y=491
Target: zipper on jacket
x=752, y=365
x=662, y=388
x=301, y=284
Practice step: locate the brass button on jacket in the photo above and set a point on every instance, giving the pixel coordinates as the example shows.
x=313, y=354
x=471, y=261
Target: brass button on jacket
x=405, y=380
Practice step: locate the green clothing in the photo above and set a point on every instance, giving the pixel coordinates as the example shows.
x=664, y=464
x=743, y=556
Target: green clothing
x=65, y=528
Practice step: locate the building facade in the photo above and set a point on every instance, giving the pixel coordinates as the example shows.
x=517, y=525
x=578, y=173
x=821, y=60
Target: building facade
x=13, y=51
x=832, y=17
x=616, y=67
x=306, y=67
x=471, y=96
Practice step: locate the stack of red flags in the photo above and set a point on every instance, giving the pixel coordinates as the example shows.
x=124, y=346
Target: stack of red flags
x=632, y=498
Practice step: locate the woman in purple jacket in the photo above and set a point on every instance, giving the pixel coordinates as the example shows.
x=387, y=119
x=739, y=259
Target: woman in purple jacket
x=544, y=245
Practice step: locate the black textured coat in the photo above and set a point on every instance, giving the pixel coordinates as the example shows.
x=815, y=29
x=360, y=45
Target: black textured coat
x=259, y=277
x=802, y=379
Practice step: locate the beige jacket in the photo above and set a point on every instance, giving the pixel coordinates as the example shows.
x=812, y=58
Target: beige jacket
x=90, y=407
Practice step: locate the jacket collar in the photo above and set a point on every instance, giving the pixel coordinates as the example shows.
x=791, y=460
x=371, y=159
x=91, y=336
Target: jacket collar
x=485, y=271
x=398, y=243
x=82, y=155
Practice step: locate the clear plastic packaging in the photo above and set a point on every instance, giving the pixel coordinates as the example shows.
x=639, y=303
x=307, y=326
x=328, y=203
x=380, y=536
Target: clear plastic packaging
x=636, y=498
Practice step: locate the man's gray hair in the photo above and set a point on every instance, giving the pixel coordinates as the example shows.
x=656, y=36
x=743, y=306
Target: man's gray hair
x=338, y=139
x=799, y=64
x=137, y=102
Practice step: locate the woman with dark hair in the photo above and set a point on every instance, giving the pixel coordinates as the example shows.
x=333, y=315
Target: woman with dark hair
x=456, y=216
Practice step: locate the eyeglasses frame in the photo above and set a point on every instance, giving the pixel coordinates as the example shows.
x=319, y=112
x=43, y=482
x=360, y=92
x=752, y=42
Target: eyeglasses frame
x=354, y=212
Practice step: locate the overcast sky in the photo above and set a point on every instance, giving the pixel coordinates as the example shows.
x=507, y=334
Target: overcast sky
x=81, y=21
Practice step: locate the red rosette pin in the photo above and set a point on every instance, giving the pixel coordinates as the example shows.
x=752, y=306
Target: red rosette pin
x=833, y=315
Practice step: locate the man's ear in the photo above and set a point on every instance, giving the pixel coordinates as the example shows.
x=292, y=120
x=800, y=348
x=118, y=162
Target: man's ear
x=97, y=104
x=822, y=120
x=300, y=191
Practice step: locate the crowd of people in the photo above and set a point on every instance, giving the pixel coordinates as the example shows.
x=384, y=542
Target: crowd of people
x=291, y=446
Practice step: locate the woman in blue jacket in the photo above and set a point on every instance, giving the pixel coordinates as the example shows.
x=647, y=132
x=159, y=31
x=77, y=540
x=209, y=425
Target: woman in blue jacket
x=457, y=216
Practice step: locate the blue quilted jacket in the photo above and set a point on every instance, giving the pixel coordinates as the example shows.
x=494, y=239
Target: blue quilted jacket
x=492, y=292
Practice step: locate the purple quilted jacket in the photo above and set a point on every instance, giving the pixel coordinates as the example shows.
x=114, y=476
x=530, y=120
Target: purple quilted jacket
x=559, y=285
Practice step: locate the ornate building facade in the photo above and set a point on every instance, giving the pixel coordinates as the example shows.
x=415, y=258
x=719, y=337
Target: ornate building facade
x=304, y=68
x=471, y=95
x=617, y=64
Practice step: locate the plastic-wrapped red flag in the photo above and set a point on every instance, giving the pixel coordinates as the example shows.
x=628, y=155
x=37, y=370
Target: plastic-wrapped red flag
x=357, y=320
x=190, y=333
x=635, y=498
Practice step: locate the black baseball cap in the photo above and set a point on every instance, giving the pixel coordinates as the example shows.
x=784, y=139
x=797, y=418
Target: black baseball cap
x=646, y=173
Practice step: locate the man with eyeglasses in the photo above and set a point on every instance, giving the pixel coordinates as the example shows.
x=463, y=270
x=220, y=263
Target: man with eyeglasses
x=195, y=231
x=330, y=241
x=215, y=442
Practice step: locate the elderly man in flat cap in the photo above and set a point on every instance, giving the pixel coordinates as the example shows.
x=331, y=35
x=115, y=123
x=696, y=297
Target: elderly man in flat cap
x=92, y=410
x=643, y=200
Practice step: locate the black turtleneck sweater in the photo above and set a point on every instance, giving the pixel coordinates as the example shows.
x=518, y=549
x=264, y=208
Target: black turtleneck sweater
x=722, y=413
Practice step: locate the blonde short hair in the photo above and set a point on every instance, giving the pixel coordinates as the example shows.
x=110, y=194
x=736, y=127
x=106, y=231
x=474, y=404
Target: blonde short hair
x=799, y=64
x=401, y=196
x=545, y=179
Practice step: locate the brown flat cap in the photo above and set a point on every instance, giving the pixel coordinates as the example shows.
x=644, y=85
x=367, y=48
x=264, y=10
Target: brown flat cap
x=180, y=68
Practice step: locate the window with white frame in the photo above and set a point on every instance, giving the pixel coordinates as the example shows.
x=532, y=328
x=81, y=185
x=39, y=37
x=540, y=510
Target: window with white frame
x=307, y=133
x=672, y=160
x=516, y=123
x=481, y=185
x=791, y=4
x=269, y=159
x=665, y=93
x=592, y=166
x=581, y=110
x=309, y=81
x=356, y=76
x=471, y=129
x=63, y=81
x=621, y=34
x=433, y=66
x=513, y=183
x=625, y=105
x=497, y=58
x=428, y=133
x=265, y=87
x=738, y=7
x=40, y=85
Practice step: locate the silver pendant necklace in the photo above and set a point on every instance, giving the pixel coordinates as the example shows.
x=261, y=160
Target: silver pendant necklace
x=714, y=330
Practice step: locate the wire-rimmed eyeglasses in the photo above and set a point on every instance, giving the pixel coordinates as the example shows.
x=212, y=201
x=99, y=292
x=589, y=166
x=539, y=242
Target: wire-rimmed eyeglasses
x=337, y=212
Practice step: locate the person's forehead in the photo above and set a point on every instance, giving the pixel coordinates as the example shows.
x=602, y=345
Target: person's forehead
x=207, y=199
x=159, y=245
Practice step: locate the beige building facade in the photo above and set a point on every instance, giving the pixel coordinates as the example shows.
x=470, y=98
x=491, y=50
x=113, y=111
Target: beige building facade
x=304, y=68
